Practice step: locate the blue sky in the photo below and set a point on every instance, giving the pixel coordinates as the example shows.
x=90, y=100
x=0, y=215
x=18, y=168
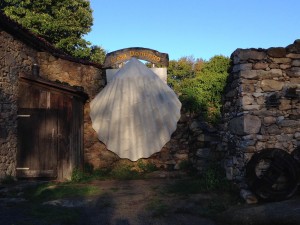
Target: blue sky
x=199, y=28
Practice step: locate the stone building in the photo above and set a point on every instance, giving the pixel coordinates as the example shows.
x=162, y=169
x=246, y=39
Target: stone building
x=261, y=109
x=261, y=104
x=59, y=77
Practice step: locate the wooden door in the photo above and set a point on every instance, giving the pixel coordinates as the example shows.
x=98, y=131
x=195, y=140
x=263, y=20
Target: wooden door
x=38, y=132
x=38, y=143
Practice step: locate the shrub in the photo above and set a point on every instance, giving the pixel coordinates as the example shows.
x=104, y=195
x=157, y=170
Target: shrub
x=78, y=175
x=201, y=93
x=146, y=167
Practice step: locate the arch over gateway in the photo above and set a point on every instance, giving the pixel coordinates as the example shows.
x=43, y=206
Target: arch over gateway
x=147, y=54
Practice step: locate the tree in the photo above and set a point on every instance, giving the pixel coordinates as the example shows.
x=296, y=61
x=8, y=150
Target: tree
x=62, y=23
x=201, y=92
x=182, y=68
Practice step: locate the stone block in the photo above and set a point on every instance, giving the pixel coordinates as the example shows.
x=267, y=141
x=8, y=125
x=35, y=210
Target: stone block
x=277, y=52
x=260, y=66
x=294, y=48
x=290, y=123
x=269, y=120
x=285, y=104
x=248, y=88
x=241, y=55
x=194, y=126
x=258, y=94
x=184, y=156
x=203, y=152
x=273, y=129
x=293, y=56
x=251, y=107
x=229, y=173
x=284, y=66
x=295, y=80
x=293, y=72
x=271, y=85
x=239, y=67
x=284, y=137
x=296, y=62
x=260, y=145
x=243, y=125
x=248, y=74
x=231, y=93
x=281, y=60
x=247, y=100
x=260, y=100
x=274, y=66
x=269, y=74
x=206, y=138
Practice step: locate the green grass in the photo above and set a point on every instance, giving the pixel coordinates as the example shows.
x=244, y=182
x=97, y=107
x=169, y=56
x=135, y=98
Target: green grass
x=212, y=179
x=122, y=170
x=220, y=193
x=48, y=214
x=52, y=191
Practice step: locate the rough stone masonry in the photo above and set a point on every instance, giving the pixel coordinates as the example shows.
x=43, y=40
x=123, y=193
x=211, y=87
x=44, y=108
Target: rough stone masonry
x=261, y=104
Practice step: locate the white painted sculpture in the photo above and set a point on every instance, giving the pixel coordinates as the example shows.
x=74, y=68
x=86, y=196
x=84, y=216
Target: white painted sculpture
x=136, y=113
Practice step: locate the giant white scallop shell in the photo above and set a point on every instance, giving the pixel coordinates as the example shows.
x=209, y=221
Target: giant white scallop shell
x=136, y=113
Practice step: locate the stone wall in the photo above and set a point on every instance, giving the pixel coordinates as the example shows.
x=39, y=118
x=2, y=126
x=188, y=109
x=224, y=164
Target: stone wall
x=188, y=143
x=17, y=57
x=14, y=57
x=261, y=104
x=193, y=143
x=261, y=108
x=93, y=81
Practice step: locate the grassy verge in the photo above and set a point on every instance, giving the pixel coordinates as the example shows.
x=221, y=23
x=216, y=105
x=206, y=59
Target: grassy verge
x=121, y=171
x=206, y=195
x=48, y=214
x=52, y=191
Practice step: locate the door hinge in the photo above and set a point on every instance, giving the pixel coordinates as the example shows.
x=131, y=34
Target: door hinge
x=23, y=116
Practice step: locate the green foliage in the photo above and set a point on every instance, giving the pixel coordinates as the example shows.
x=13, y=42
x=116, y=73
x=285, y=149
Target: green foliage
x=146, y=167
x=78, y=175
x=52, y=191
x=201, y=88
x=124, y=171
x=182, y=68
x=62, y=23
x=97, y=54
x=212, y=179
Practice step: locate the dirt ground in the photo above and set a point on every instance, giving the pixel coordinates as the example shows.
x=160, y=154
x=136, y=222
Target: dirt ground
x=130, y=202
x=141, y=202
